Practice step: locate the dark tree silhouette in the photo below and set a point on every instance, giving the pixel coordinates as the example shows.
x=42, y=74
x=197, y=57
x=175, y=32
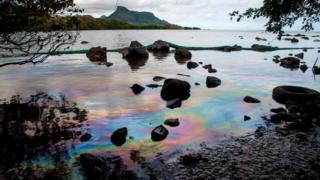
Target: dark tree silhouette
x=284, y=13
x=27, y=29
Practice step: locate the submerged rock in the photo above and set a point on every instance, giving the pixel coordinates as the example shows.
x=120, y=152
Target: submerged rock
x=192, y=65
x=118, y=137
x=175, y=89
x=158, y=78
x=246, y=118
x=97, y=54
x=213, y=82
x=172, y=122
x=159, y=133
x=249, y=99
x=137, y=89
x=152, y=86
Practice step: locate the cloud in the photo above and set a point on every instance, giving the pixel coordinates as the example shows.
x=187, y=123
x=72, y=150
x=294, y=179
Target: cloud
x=208, y=14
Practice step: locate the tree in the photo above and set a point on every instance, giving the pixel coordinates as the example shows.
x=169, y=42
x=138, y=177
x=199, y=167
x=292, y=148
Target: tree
x=284, y=13
x=27, y=30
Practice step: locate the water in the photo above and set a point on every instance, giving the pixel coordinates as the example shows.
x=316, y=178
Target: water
x=208, y=116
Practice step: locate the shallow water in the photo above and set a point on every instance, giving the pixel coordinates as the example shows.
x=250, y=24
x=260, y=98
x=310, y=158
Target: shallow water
x=208, y=116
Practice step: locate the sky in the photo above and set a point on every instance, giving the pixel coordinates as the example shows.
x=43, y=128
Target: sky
x=206, y=14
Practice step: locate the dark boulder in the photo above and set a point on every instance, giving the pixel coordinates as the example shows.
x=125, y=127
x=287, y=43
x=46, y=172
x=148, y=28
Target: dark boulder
x=249, y=99
x=137, y=89
x=303, y=67
x=213, y=82
x=212, y=70
x=97, y=54
x=283, y=116
x=135, y=50
x=284, y=94
x=192, y=65
x=182, y=55
x=159, y=133
x=172, y=122
x=300, y=55
x=85, y=137
x=160, y=46
x=290, y=62
x=175, y=89
x=119, y=136
x=316, y=69
x=278, y=110
x=246, y=118
x=175, y=103
x=94, y=167
x=207, y=66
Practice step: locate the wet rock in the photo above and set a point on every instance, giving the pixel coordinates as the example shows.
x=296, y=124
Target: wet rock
x=260, y=131
x=172, y=122
x=197, y=84
x=175, y=103
x=303, y=67
x=249, y=99
x=299, y=35
x=300, y=55
x=158, y=78
x=213, y=82
x=207, y=66
x=159, y=133
x=293, y=109
x=290, y=62
x=316, y=69
x=276, y=61
x=109, y=64
x=175, y=89
x=119, y=136
x=84, y=42
x=284, y=94
x=97, y=54
x=305, y=38
x=137, y=89
x=286, y=117
x=261, y=39
x=153, y=86
x=135, y=50
x=182, y=55
x=246, y=118
x=85, y=137
x=190, y=159
x=94, y=167
x=160, y=46
x=278, y=110
x=212, y=70
x=192, y=65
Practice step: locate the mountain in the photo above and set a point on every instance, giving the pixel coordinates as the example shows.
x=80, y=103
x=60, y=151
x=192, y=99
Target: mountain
x=134, y=17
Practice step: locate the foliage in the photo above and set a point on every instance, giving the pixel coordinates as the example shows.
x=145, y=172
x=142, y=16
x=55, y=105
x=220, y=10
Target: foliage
x=284, y=13
x=21, y=22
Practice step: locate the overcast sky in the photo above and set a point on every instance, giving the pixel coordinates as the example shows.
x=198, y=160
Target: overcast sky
x=207, y=14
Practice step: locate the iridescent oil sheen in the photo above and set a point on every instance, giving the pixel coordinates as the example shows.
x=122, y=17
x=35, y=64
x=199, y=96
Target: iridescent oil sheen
x=208, y=116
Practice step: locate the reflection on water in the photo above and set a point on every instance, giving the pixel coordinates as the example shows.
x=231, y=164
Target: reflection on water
x=136, y=63
x=208, y=116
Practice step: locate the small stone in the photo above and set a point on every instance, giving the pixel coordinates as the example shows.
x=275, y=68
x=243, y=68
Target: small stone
x=247, y=118
x=249, y=99
x=85, y=137
x=172, y=122
x=137, y=89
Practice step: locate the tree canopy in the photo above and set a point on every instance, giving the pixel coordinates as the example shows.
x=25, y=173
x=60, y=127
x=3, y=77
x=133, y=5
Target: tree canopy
x=284, y=13
x=26, y=29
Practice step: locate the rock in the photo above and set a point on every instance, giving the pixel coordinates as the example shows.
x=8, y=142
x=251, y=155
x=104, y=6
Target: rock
x=175, y=89
x=108, y=64
x=261, y=39
x=84, y=42
x=197, y=84
x=159, y=133
x=158, y=78
x=85, y=137
x=293, y=109
x=300, y=55
x=172, y=122
x=290, y=62
x=160, y=46
x=137, y=89
x=284, y=94
x=249, y=99
x=276, y=61
x=119, y=136
x=175, y=103
x=185, y=75
x=97, y=54
x=182, y=55
x=316, y=70
x=207, y=66
x=213, y=82
x=192, y=65
x=299, y=35
x=94, y=167
x=283, y=116
x=246, y=118
x=294, y=40
x=278, y=110
x=153, y=86
x=135, y=50
x=260, y=131
x=190, y=159
x=303, y=67
x=305, y=38
x=305, y=50
x=211, y=70
x=316, y=40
